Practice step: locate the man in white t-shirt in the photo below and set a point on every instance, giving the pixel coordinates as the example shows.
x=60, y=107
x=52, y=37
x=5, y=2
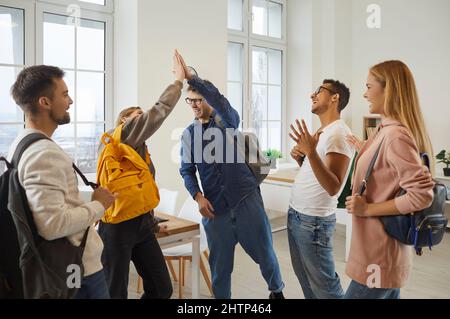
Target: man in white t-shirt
x=324, y=159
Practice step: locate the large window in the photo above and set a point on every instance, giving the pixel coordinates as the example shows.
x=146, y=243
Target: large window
x=12, y=61
x=256, y=67
x=77, y=39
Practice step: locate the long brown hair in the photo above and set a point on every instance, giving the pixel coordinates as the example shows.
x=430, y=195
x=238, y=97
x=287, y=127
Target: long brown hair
x=402, y=102
x=125, y=113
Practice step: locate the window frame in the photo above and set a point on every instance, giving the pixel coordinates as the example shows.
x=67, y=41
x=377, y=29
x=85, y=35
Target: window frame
x=33, y=43
x=250, y=40
x=29, y=57
x=107, y=8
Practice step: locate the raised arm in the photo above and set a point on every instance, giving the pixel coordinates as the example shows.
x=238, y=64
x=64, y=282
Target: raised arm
x=138, y=129
x=220, y=103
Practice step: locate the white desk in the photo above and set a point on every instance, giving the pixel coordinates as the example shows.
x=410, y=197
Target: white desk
x=179, y=232
x=276, y=191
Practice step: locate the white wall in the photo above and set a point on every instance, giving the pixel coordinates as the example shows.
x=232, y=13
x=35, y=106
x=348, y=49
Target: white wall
x=418, y=33
x=125, y=54
x=326, y=39
x=199, y=30
x=330, y=38
x=319, y=42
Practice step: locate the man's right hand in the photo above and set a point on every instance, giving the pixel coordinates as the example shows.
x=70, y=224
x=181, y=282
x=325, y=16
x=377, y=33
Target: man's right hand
x=205, y=207
x=297, y=155
x=104, y=196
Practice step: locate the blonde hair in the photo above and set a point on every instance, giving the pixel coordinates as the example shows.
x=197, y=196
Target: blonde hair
x=125, y=113
x=402, y=102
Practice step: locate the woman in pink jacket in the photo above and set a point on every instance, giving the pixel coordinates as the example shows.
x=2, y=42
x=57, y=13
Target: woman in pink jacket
x=378, y=264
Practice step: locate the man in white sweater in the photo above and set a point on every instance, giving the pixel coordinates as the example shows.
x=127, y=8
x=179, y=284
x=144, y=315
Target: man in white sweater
x=46, y=174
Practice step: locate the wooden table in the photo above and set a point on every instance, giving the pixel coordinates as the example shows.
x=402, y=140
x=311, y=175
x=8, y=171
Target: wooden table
x=284, y=176
x=179, y=232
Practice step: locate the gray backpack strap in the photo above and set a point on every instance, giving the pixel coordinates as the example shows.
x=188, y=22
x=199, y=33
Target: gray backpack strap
x=369, y=170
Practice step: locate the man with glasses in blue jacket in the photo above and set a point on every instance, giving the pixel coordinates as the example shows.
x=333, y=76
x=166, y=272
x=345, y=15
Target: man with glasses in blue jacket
x=231, y=203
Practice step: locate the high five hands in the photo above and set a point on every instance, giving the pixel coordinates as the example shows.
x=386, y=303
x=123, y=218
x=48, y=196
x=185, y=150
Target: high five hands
x=178, y=68
x=187, y=73
x=306, y=143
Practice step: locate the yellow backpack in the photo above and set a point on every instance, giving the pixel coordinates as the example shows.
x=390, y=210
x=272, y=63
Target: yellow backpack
x=121, y=170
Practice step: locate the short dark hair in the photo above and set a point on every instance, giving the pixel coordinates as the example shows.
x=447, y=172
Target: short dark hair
x=32, y=83
x=193, y=89
x=341, y=89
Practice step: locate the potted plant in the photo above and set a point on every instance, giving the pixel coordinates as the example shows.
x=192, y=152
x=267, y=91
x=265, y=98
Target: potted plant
x=444, y=157
x=273, y=155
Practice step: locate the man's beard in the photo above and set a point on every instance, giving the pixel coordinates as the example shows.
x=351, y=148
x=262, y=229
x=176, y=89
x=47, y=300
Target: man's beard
x=61, y=121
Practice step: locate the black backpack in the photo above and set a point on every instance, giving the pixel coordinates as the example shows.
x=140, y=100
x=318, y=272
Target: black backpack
x=30, y=266
x=425, y=228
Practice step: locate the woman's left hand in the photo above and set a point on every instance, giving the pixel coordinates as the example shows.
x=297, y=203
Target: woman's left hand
x=357, y=205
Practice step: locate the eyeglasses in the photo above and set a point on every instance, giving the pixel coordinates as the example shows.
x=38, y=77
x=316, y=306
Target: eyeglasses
x=319, y=89
x=197, y=102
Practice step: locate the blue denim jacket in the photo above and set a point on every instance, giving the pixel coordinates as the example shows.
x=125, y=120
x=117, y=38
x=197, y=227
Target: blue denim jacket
x=224, y=183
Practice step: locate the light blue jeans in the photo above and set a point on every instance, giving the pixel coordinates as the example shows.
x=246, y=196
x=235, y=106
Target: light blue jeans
x=248, y=225
x=311, y=247
x=358, y=291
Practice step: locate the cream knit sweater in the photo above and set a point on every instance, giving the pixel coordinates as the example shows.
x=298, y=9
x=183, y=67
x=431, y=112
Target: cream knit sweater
x=50, y=183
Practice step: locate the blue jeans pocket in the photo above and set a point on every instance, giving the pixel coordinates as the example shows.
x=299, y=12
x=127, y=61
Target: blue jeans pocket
x=326, y=235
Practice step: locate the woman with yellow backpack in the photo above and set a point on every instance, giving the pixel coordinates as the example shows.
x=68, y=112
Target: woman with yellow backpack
x=128, y=227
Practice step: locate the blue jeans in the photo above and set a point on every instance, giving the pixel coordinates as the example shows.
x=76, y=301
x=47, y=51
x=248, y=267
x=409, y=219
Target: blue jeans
x=311, y=247
x=248, y=225
x=358, y=291
x=93, y=287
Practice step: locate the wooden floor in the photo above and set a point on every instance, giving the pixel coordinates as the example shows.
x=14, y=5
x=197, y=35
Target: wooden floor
x=430, y=277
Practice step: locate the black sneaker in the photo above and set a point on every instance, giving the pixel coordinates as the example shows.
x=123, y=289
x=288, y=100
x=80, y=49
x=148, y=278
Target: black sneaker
x=276, y=295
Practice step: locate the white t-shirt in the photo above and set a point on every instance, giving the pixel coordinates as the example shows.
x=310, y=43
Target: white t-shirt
x=308, y=196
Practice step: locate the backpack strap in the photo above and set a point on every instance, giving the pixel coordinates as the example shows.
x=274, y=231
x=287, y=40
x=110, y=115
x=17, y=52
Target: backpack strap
x=369, y=170
x=117, y=135
x=26, y=142
x=85, y=180
x=8, y=164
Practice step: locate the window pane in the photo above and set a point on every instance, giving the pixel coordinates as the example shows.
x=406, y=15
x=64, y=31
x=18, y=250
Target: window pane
x=261, y=132
x=259, y=102
x=274, y=135
x=275, y=19
x=91, y=45
x=235, y=62
x=65, y=137
x=9, y=111
x=59, y=41
x=11, y=36
x=259, y=13
x=275, y=66
x=100, y=2
x=267, y=18
x=90, y=97
x=8, y=133
x=235, y=14
x=235, y=97
x=88, y=141
x=274, y=103
x=259, y=67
